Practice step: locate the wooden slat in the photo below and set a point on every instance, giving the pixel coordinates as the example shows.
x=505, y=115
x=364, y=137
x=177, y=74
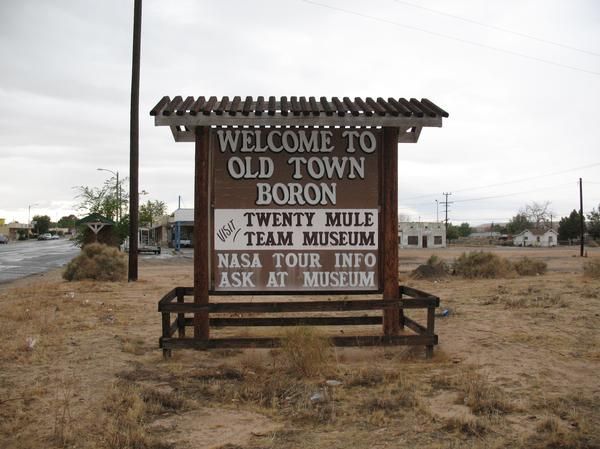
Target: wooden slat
x=415, y=293
x=168, y=297
x=173, y=104
x=402, y=108
x=235, y=105
x=273, y=106
x=294, y=321
x=197, y=106
x=380, y=110
x=327, y=106
x=341, y=108
x=352, y=106
x=160, y=105
x=296, y=108
x=404, y=102
x=314, y=107
x=182, y=109
x=272, y=342
x=299, y=306
x=306, y=109
x=223, y=105
x=284, y=106
x=434, y=107
x=388, y=107
x=422, y=107
x=260, y=105
x=364, y=106
x=414, y=326
x=208, y=107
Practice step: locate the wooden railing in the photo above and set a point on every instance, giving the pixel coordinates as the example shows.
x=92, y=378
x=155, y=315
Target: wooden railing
x=174, y=302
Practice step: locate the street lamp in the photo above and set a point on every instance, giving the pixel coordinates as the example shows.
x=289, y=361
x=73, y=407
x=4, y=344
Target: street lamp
x=118, y=190
x=29, y=218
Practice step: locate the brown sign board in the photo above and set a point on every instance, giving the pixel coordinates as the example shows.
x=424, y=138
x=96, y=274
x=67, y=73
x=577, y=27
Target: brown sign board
x=296, y=209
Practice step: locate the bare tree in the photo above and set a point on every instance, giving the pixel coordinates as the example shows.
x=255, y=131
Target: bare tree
x=538, y=214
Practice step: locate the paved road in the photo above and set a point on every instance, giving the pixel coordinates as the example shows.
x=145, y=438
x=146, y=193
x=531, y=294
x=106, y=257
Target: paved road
x=20, y=259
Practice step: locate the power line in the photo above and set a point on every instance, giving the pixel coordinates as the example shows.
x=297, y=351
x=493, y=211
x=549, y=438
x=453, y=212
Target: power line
x=446, y=36
x=497, y=28
x=512, y=194
x=516, y=181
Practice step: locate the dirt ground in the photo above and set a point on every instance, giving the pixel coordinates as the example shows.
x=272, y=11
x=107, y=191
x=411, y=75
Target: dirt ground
x=517, y=366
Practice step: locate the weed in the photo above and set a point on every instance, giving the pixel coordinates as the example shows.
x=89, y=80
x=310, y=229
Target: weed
x=465, y=424
x=98, y=262
x=482, y=265
x=305, y=352
x=530, y=267
x=591, y=268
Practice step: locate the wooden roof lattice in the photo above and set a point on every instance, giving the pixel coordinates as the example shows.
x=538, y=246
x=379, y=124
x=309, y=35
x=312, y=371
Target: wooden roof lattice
x=184, y=115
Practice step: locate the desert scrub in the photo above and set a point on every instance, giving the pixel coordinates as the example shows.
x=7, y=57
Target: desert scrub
x=482, y=265
x=530, y=267
x=98, y=262
x=591, y=268
x=305, y=351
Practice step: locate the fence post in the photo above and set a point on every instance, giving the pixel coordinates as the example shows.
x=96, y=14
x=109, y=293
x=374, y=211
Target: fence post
x=166, y=332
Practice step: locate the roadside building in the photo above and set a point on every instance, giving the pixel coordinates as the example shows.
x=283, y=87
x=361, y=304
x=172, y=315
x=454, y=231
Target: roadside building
x=175, y=230
x=535, y=237
x=13, y=230
x=421, y=235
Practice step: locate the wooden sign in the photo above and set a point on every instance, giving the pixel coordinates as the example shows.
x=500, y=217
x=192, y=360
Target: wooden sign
x=296, y=209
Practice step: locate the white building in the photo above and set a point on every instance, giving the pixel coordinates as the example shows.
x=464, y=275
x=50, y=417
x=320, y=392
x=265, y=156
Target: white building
x=536, y=238
x=421, y=235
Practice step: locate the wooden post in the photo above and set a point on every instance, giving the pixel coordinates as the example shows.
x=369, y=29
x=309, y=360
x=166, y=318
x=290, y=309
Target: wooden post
x=166, y=332
x=134, y=152
x=201, y=231
x=391, y=315
x=430, y=330
x=180, y=317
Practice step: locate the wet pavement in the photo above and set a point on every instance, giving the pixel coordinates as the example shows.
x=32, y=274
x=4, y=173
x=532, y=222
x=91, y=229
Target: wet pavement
x=20, y=259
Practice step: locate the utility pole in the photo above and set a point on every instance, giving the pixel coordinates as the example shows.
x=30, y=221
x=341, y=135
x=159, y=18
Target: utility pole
x=179, y=202
x=437, y=211
x=446, y=210
x=134, y=151
x=581, y=215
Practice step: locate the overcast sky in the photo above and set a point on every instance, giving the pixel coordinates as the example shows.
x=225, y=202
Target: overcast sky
x=520, y=79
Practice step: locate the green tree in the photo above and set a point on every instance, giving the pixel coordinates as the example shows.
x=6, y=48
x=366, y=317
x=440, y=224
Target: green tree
x=452, y=232
x=464, y=230
x=68, y=221
x=518, y=223
x=107, y=200
x=593, y=224
x=42, y=224
x=570, y=227
x=151, y=211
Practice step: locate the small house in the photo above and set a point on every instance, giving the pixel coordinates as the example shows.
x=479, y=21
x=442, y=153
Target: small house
x=421, y=235
x=536, y=237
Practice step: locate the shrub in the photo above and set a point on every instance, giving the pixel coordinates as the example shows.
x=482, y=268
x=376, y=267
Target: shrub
x=305, y=351
x=591, y=268
x=98, y=262
x=482, y=265
x=530, y=267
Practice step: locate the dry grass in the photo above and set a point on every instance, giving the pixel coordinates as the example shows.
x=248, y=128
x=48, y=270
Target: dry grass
x=97, y=262
x=530, y=267
x=482, y=264
x=499, y=378
x=305, y=351
x=591, y=268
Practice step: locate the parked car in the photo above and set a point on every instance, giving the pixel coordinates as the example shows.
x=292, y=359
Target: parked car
x=3, y=239
x=54, y=237
x=46, y=236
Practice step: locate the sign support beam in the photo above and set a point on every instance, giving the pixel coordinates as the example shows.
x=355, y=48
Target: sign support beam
x=391, y=315
x=201, y=230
